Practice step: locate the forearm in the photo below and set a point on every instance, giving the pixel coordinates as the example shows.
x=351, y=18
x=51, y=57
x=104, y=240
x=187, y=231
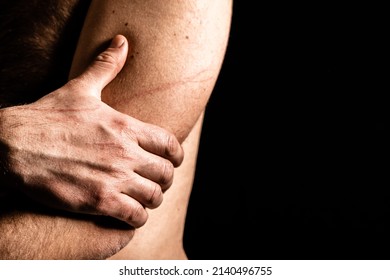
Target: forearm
x=32, y=232
x=176, y=52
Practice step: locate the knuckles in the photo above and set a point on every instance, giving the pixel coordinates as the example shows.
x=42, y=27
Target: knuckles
x=153, y=197
x=173, y=150
x=107, y=202
x=167, y=173
x=108, y=60
x=137, y=217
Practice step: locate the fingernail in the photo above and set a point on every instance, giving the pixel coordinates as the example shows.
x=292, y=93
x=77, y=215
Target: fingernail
x=117, y=42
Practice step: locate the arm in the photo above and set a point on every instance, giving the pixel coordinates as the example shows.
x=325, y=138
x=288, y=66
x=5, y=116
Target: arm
x=104, y=167
x=176, y=51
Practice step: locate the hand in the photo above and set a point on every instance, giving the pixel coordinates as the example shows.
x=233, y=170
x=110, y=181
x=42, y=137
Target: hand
x=71, y=151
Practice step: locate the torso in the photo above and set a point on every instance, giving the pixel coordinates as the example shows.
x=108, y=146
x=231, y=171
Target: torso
x=38, y=39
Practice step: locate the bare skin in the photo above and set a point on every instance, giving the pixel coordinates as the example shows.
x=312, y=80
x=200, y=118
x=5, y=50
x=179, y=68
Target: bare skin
x=103, y=168
x=114, y=165
x=176, y=51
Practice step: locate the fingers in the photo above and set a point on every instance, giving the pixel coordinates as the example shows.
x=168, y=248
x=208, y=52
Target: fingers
x=124, y=208
x=125, y=200
x=159, y=142
x=156, y=169
x=147, y=192
x=105, y=67
x=128, y=203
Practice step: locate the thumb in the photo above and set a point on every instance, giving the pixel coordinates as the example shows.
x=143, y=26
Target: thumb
x=106, y=66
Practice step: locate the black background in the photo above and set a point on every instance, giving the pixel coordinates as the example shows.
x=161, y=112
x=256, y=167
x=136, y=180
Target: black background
x=294, y=155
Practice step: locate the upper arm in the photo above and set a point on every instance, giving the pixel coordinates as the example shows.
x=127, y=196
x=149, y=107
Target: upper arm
x=176, y=52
